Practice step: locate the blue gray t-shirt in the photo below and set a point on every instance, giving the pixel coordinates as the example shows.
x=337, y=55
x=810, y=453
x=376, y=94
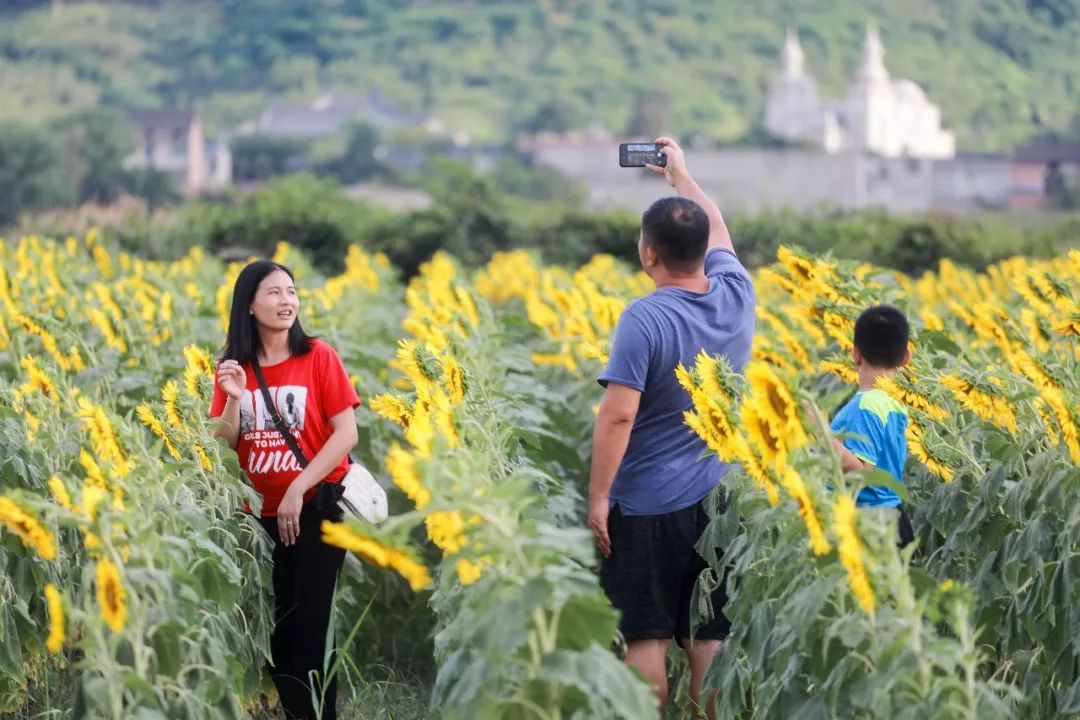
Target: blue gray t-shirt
x=878, y=426
x=663, y=469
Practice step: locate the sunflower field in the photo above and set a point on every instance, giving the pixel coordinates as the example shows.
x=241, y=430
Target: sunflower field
x=133, y=586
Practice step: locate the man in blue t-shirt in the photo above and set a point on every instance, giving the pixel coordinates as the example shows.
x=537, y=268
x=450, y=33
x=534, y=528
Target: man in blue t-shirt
x=650, y=472
x=874, y=424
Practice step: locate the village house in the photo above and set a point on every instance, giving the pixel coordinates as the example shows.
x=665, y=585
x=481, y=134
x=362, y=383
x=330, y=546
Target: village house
x=172, y=142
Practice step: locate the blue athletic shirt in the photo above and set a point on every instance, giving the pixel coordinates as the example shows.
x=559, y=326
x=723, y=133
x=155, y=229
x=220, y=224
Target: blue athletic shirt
x=878, y=424
x=663, y=470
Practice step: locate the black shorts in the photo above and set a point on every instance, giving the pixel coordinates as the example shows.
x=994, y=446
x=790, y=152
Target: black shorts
x=651, y=574
x=904, y=530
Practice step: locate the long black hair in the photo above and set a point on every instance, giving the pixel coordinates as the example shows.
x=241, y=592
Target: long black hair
x=242, y=341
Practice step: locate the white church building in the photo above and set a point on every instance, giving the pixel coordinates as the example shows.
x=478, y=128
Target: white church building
x=880, y=115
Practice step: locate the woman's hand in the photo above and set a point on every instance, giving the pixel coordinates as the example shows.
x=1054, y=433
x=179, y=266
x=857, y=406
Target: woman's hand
x=288, y=514
x=232, y=378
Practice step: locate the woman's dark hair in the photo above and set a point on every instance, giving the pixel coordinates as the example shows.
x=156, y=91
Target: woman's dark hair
x=242, y=340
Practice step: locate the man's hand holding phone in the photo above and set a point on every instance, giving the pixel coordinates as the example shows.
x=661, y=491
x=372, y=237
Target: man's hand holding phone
x=675, y=168
x=675, y=172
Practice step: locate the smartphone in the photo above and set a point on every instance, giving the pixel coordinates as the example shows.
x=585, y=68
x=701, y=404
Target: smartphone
x=640, y=154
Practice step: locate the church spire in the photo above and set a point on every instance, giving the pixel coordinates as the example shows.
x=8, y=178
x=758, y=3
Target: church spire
x=873, y=65
x=794, y=60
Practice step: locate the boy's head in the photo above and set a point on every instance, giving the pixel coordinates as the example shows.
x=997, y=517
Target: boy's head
x=881, y=338
x=675, y=234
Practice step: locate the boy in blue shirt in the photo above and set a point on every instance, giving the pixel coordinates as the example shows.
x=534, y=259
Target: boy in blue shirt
x=877, y=424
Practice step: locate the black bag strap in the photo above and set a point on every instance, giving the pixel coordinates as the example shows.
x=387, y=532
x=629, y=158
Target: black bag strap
x=289, y=439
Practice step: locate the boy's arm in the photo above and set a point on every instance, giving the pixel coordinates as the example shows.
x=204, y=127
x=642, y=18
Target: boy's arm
x=849, y=461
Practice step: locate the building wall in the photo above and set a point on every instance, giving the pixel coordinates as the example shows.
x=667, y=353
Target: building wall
x=752, y=180
x=1029, y=183
x=747, y=180
x=972, y=183
x=196, y=180
x=897, y=184
x=793, y=111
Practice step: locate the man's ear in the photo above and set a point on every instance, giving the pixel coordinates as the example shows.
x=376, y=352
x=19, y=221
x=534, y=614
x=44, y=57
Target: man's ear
x=648, y=253
x=856, y=356
x=907, y=357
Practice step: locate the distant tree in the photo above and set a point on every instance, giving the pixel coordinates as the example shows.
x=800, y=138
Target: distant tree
x=261, y=157
x=358, y=162
x=256, y=34
x=1057, y=12
x=559, y=114
x=537, y=182
x=95, y=143
x=157, y=188
x=31, y=173
x=649, y=115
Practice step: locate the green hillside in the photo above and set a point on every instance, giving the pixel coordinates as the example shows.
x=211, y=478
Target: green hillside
x=1002, y=70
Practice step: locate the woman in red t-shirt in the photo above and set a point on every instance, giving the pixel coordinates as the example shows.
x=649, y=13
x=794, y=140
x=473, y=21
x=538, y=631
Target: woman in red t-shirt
x=311, y=393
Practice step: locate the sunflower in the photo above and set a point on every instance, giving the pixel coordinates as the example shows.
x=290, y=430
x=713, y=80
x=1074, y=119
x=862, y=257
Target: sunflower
x=992, y=408
x=1032, y=368
x=467, y=306
x=453, y=378
x=29, y=530
x=561, y=359
x=377, y=553
x=203, y=458
x=402, y=468
x=842, y=370
x=851, y=552
x=102, y=435
x=446, y=528
x=198, y=360
x=685, y=379
x=146, y=417
x=468, y=571
x=111, y=595
x=436, y=406
x=541, y=314
x=420, y=432
x=716, y=376
x=707, y=431
x=38, y=379
x=1047, y=420
x=426, y=332
x=89, y=499
x=410, y=360
x=1070, y=434
x=931, y=462
x=903, y=390
x=1034, y=330
x=777, y=405
x=60, y=492
x=840, y=328
x=795, y=487
x=170, y=393
x=393, y=408
x=754, y=468
x=55, y=641
x=768, y=446
x=1069, y=326
x=930, y=319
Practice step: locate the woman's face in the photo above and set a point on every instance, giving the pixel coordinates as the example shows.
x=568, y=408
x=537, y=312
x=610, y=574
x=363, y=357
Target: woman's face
x=275, y=305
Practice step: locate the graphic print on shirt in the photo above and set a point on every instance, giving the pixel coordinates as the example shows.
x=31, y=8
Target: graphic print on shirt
x=269, y=451
x=247, y=413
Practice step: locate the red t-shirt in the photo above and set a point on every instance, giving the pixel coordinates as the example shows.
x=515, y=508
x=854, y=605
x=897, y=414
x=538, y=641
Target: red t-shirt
x=308, y=390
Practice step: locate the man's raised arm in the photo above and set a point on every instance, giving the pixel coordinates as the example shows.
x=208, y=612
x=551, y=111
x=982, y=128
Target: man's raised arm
x=679, y=178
